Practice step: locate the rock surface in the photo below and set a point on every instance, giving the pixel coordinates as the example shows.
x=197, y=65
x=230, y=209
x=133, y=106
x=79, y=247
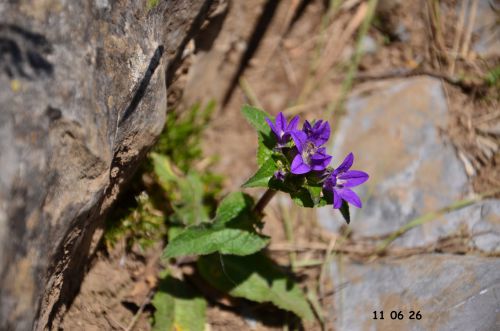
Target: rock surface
x=450, y=292
x=83, y=97
x=393, y=128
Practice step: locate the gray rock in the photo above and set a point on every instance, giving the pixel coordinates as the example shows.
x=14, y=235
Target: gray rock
x=393, y=130
x=83, y=97
x=451, y=292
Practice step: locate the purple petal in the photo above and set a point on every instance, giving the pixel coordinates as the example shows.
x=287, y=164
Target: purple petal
x=329, y=183
x=321, y=151
x=353, y=178
x=273, y=128
x=350, y=196
x=279, y=175
x=337, y=200
x=281, y=122
x=317, y=125
x=318, y=165
x=346, y=164
x=320, y=159
x=323, y=134
x=292, y=126
x=319, y=156
x=300, y=139
x=298, y=166
x=307, y=128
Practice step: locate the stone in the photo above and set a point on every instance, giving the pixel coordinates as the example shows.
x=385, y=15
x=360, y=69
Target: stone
x=394, y=130
x=451, y=292
x=83, y=92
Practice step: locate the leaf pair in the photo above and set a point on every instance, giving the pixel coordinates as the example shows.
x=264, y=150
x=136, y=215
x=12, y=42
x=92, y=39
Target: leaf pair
x=253, y=277
x=232, y=232
x=256, y=278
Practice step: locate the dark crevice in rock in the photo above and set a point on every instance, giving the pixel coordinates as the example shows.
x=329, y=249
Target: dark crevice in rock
x=258, y=33
x=22, y=50
x=68, y=269
x=143, y=84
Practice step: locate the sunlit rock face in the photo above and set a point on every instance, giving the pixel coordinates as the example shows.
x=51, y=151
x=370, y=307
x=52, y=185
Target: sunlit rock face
x=83, y=97
x=397, y=130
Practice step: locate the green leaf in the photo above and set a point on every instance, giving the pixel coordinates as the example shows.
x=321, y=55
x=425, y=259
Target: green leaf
x=315, y=193
x=263, y=175
x=232, y=232
x=190, y=210
x=344, y=210
x=206, y=239
x=232, y=206
x=163, y=170
x=302, y=198
x=257, y=118
x=263, y=152
x=255, y=278
x=292, y=184
x=178, y=307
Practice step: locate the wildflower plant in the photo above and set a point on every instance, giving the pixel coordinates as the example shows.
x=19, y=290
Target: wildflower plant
x=230, y=246
x=296, y=162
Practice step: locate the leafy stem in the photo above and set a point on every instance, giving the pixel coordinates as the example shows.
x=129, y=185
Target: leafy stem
x=264, y=200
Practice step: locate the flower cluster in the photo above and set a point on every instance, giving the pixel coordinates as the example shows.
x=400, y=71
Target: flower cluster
x=306, y=154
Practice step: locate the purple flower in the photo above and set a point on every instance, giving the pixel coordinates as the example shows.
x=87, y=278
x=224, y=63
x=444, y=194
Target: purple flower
x=319, y=133
x=340, y=181
x=280, y=175
x=281, y=129
x=310, y=155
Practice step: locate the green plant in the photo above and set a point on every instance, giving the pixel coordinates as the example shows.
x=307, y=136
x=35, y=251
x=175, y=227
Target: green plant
x=166, y=198
x=230, y=246
x=177, y=200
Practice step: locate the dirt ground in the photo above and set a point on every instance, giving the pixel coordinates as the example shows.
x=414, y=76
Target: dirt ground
x=299, y=67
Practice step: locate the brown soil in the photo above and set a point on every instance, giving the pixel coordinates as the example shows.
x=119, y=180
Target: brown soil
x=278, y=77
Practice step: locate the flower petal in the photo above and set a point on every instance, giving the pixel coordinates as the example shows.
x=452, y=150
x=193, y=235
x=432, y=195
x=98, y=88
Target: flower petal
x=317, y=125
x=292, y=126
x=329, y=183
x=346, y=164
x=298, y=166
x=322, y=134
x=350, y=196
x=337, y=200
x=273, y=128
x=281, y=122
x=307, y=128
x=353, y=178
x=318, y=165
x=319, y=155
x=300, y=139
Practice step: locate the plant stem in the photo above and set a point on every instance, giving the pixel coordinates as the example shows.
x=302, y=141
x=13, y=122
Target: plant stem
x=264, y=200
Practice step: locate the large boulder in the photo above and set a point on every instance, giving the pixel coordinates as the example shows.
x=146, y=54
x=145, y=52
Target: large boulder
x=83, y=97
